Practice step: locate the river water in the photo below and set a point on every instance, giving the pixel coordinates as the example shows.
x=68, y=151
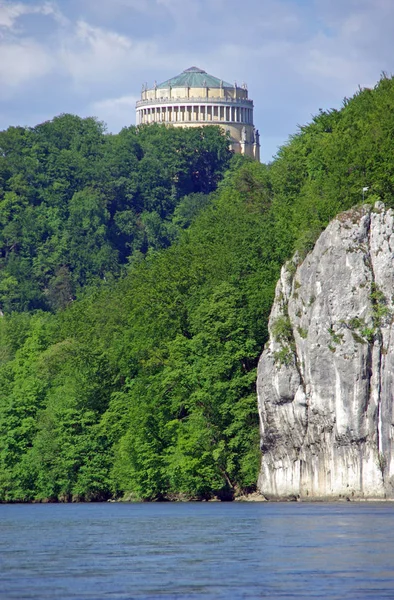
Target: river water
x=198, y=550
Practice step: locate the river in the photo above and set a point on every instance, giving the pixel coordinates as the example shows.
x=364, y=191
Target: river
x=207, y=551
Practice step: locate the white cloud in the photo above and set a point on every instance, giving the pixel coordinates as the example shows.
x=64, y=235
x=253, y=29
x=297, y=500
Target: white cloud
x=115, y=112
x=11, y=11
x=94, y=55
x=22, y=62
x=92, y=52
x=23, y=59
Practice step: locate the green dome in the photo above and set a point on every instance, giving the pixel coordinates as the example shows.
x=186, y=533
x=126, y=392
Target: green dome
x=194, y=78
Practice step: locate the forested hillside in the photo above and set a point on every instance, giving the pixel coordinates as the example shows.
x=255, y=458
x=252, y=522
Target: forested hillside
x=137, y=276
x=77, y=205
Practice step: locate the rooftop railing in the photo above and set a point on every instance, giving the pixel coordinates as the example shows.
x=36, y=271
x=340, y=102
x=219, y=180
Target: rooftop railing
x=195, y=100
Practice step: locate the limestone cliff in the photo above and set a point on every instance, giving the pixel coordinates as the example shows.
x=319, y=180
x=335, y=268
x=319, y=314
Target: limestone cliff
x=326, y=377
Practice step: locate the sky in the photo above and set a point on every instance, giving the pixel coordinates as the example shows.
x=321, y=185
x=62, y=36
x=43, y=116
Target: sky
x=91, y=57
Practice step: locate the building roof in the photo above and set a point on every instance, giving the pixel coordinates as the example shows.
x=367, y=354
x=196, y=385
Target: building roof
x=195, y=78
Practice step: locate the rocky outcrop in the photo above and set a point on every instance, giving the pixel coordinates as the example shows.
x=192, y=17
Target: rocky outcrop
x=326, y=377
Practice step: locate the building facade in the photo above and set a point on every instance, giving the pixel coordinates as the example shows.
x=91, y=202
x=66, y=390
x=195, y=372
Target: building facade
x=195, y=98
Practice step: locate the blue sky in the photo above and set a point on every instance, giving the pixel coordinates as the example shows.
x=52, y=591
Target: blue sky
x=90, y=57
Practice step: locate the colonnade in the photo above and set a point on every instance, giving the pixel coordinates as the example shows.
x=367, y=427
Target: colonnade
x=189, y=113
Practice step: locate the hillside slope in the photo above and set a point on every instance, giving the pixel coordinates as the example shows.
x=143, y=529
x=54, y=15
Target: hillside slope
x=140, y=379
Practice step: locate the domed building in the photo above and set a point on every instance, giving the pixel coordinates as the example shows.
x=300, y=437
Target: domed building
x=195, y=98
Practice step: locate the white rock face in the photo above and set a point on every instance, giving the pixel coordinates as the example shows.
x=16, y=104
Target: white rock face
x=326, y=377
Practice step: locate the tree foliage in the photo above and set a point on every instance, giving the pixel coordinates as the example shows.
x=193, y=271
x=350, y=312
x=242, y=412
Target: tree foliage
x=76, y=204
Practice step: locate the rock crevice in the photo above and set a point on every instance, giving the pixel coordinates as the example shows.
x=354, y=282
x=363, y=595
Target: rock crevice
x=326, y=376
